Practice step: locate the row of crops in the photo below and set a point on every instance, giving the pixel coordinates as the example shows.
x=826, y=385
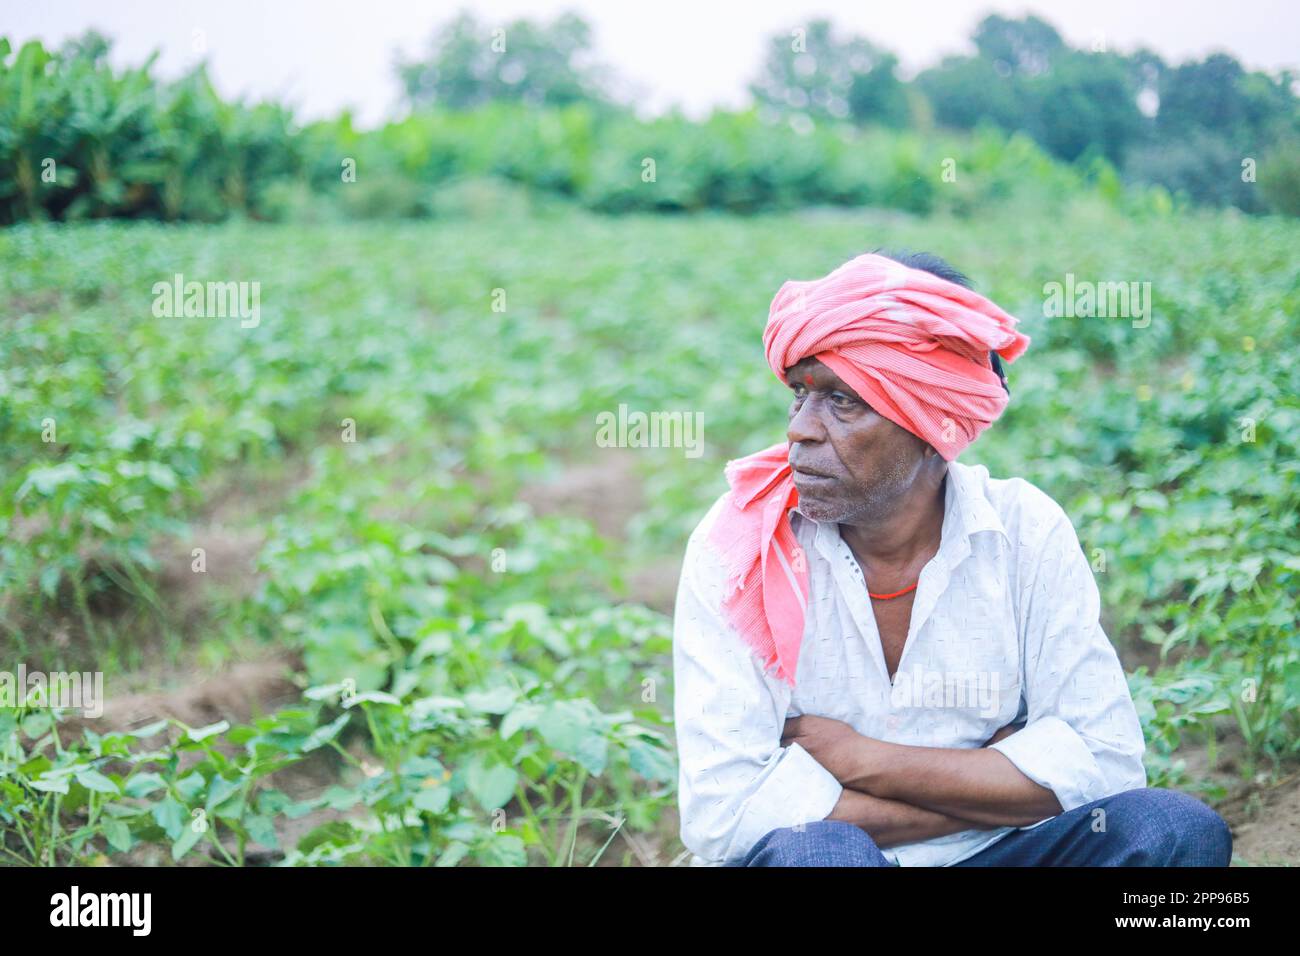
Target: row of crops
x=475, y=679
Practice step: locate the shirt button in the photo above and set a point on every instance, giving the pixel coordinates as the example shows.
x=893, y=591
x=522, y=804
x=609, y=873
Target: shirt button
x=892, y=723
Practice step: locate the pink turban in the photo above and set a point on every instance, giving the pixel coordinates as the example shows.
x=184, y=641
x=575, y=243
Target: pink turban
x=915, y=348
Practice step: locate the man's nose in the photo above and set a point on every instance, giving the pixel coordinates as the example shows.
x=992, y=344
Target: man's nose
x=806, y=424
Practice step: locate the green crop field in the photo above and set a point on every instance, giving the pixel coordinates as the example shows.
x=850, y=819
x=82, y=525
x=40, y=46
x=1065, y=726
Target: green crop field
x=391, y=479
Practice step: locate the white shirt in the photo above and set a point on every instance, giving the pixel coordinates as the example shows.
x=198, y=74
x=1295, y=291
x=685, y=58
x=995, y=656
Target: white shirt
x=1008, y=604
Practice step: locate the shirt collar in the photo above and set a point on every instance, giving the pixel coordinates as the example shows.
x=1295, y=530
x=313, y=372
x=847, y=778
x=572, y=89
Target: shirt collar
x=967, y=511
x=965, y=491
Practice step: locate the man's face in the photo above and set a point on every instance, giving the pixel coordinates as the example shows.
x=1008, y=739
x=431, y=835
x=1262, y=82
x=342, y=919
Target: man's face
x=851, y=464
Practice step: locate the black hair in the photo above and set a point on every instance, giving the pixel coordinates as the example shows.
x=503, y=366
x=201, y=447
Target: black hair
x=937, y=266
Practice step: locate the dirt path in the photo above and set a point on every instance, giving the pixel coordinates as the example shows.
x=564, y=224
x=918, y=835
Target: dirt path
x=1266, y=825
x=236, y=693
x=608, y=491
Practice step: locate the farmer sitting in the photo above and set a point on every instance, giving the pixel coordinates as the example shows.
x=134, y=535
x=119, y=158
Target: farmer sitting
x=885, y=657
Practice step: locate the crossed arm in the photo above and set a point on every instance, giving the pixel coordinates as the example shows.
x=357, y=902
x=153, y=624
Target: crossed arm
x=902, y=794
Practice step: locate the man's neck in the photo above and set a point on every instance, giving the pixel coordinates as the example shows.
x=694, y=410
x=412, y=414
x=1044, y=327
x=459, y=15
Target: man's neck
x=909, y=532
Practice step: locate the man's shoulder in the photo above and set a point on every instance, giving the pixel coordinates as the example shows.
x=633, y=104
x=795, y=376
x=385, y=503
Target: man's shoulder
x=1028, y=513
x=701, y=559
x=705, y=524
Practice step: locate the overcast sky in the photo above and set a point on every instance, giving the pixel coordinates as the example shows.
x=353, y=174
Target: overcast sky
x=322, y=56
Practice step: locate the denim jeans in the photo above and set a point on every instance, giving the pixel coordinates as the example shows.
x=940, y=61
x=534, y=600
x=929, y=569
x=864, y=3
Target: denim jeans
x=1143, y=827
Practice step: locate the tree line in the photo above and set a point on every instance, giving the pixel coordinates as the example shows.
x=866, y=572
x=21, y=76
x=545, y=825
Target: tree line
x=529, y=102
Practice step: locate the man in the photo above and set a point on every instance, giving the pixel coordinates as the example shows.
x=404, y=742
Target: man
x=883, y=656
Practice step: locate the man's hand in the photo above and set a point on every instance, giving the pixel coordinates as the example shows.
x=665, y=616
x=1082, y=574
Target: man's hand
x=832, y=743
x=966, y=784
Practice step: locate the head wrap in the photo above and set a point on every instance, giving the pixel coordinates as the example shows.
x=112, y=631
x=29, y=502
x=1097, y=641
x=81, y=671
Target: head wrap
x=915, y=348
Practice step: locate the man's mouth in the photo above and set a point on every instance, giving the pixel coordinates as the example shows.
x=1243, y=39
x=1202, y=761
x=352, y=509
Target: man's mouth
x=804, y=474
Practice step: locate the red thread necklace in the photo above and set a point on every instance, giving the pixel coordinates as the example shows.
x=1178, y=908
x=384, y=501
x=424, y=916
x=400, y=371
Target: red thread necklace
x=886, y=597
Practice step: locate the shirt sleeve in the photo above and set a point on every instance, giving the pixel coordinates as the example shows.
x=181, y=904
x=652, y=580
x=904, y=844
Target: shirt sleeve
x=736, y=782
x=1082, y=739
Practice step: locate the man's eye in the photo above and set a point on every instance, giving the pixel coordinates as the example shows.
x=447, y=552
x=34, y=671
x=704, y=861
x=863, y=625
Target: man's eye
x=799, y=390
x=842, y=400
